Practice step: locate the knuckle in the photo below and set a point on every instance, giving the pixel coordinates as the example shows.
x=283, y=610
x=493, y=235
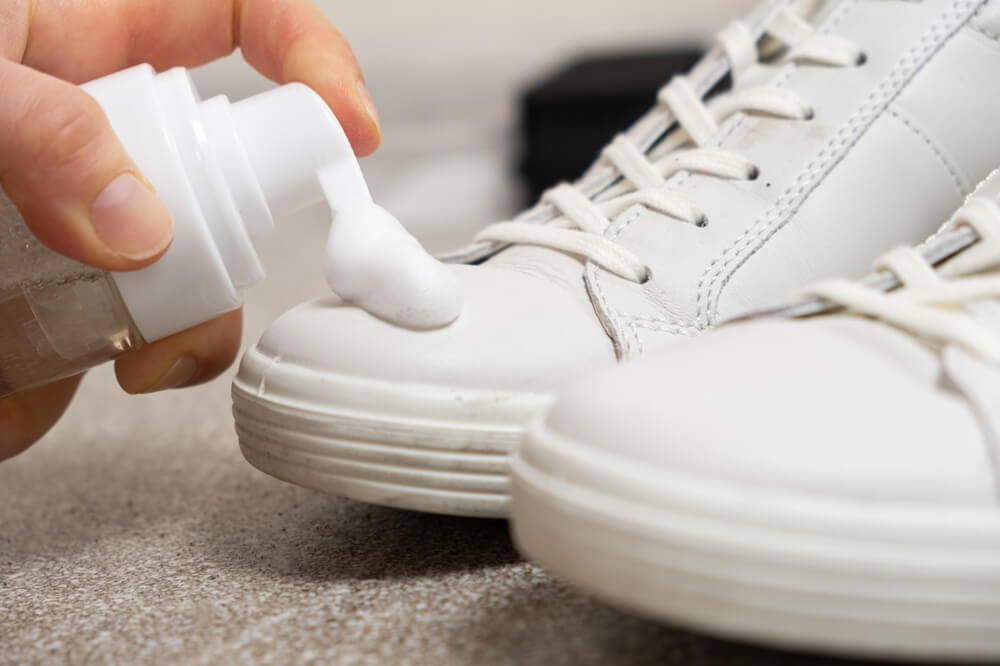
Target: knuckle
x=61, y=134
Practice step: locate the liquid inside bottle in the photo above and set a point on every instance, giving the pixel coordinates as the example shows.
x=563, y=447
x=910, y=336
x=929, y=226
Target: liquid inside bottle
x=57, y=317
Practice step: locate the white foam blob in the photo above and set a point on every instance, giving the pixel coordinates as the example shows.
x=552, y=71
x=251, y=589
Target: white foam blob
x=373, y=262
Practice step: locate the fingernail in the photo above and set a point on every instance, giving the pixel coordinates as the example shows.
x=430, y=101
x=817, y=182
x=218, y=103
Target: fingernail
x=180, y=373
x=130, y=219
x=366, y=99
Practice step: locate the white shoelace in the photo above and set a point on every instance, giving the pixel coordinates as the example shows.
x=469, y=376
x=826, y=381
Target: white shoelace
x=581, y=222
x=931, y=302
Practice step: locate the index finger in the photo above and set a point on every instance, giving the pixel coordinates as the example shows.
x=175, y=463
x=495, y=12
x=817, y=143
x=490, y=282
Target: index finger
x=285, y=40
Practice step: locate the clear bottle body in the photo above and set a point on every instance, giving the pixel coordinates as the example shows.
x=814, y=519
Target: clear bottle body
x=57, y=317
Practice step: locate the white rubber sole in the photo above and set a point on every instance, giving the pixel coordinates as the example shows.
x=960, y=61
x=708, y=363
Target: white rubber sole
x=407, y=446
x=859, y=580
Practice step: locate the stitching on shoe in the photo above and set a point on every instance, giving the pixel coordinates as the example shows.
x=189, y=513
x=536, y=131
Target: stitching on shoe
x=714, y=278
x=599, y=287
x=660, y=324
x=960, y=184
x=616, y=230
x=629, y=332
x=625, y=221
x=701, y=317
x=638, y=341
x=725, y=133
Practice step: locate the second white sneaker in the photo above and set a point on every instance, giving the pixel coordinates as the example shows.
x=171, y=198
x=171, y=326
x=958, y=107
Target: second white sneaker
x=812, y=137
x=828, y=478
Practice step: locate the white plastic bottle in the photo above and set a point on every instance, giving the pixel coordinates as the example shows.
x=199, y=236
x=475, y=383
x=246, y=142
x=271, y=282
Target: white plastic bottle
x=225, y=171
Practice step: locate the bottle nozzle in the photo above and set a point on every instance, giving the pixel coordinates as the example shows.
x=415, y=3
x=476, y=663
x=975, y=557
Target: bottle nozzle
x=301, y=156
x=289, y=134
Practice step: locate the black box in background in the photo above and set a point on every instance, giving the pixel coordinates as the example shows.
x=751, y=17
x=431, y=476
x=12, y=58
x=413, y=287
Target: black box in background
x=567, y=118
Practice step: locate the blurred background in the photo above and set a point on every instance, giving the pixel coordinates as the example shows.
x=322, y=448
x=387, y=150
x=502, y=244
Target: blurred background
x=448, y=78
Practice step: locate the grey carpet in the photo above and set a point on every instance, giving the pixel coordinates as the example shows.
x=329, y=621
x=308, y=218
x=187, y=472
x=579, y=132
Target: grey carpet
x=137, y=534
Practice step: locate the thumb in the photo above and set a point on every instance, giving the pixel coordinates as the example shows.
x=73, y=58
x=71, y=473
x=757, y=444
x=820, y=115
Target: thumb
x=63, y=167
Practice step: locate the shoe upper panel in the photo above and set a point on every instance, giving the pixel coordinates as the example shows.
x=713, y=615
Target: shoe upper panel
x=836, y=407
x=953, y=102
x=892, y=189
x=923, y=141
x=520, y=330
x=865, y=132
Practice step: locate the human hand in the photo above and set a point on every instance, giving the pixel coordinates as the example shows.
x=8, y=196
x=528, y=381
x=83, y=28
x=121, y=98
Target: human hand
x=78, y=190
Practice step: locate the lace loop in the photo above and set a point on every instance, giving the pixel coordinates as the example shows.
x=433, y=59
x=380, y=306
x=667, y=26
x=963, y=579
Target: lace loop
x=585, y=212
x=691, y=114
x=667, y=203
x=719, y=163
x=582, y=221
x=739, y=46
x=911, y=269
x=790, y=29
x=806, y=45
x=940, y=325
x=776, y=102
x=632, y=164
x=618, y=260
x=935, y=303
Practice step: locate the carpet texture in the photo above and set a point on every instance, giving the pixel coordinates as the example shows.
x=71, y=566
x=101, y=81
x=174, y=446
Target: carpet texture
x=137, y=534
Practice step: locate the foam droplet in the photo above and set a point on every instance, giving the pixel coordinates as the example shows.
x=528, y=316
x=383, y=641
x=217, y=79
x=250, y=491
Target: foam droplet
x=373, y=262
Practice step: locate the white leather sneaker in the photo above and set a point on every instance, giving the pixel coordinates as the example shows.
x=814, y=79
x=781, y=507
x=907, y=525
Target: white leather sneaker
x=828, y=481
x=846, y=130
